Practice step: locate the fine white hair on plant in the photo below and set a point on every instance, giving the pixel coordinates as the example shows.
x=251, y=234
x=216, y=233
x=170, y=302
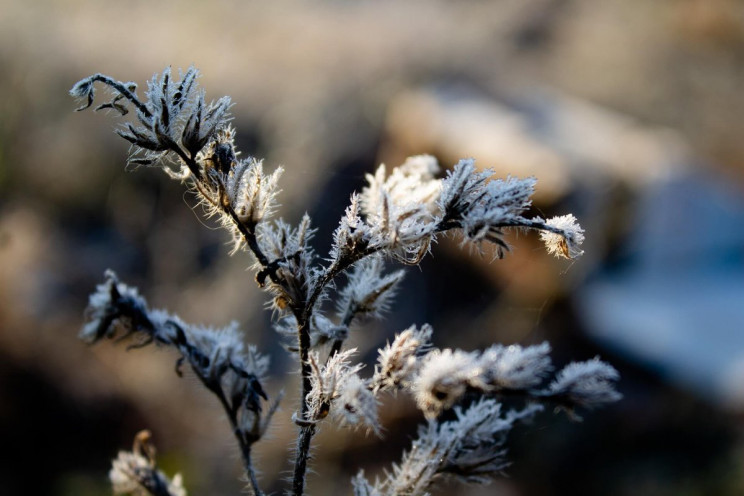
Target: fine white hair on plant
x=252, y=191
x=443, y=378
x=566, y=242
x=362, y=486
x=469, y=448
x=327, y=378
x=399, y=361
x=397, y=217
x=337, y=388
x=587, y=384
x=413, y=182
x=481, y=207
x=516, y=367
x=368, y=291
x=356, y=405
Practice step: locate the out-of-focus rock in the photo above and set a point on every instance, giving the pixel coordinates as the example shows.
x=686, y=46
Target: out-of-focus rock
x=676, y=302
x=565, y=142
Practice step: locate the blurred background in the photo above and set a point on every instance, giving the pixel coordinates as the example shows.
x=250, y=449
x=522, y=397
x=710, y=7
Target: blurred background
x=627, y=111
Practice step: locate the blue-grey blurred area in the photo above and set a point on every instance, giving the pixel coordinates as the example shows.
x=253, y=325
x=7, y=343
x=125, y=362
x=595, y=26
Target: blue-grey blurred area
x=628, y=112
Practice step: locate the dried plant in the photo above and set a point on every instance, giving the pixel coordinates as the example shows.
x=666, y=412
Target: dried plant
x=397, y=217
x=135, y=472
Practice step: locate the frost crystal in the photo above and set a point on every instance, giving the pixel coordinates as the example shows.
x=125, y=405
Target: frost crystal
x=399, y=360
x=251, y=191
x=515, y=367
x=443, y=378
x=362, y=487
x=469, y=448
x=329, y=380
x=368, y=292
x=135, y=473
x=400, y=209
x=567, y=241
x=588, y=384
x=413, y=182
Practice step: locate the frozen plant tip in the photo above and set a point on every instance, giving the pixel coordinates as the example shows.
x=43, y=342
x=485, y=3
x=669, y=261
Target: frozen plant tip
x=588, y=384
x=397, y=217
x=337, y=388
x=400, y=360
x=567, y=238
x=135, y=472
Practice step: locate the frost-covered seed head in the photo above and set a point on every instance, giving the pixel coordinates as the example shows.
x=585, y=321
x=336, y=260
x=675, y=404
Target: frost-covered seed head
x=356, y=405
x=588, y=384
x=443, y=378
x=399, y=361
x=515, y=367
x=412, y=182
x=329, y=381
x=135, y=473
x=468, y=448
x=566, y=243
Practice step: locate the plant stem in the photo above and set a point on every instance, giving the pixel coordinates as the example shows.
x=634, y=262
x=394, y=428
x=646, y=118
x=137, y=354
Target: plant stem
x=303, y=455
x=243, y=443
x=249, y=471
x=247, y=232
x=306, y=431
x=303, y=337
x=346, y=321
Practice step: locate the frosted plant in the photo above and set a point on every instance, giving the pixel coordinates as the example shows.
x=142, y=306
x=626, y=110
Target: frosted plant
x=218, y=358
x=337, y=383
x=396, y=217
x=469, y=448
x=398, y=361
x=135, y=472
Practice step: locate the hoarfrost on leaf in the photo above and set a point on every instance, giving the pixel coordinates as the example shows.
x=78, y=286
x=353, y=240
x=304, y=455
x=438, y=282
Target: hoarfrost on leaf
x=468, y=448
x=368, y=292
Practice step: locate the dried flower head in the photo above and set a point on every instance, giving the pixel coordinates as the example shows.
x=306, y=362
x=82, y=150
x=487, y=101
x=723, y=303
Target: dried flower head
x=587, y=384
x=413, y=182
x=567, y=238
x=356, y=405
x=515, y=367
x=443, y=378
x=400, y=360
x=135, y=472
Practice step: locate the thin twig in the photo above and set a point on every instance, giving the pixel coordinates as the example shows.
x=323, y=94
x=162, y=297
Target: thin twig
x=245, y=445
x=123, y=90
